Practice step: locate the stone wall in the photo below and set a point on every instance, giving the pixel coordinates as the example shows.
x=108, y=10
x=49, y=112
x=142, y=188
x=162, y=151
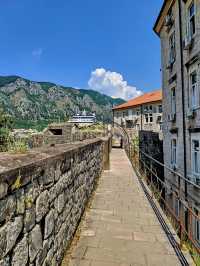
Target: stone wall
x=172, y=79
x=42, y=197
x=151, y=144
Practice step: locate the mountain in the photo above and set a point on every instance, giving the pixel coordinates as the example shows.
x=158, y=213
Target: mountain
x=33, y=102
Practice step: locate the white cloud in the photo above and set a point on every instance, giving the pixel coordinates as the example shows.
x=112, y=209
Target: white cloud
x=37, y=52
x=112, y=83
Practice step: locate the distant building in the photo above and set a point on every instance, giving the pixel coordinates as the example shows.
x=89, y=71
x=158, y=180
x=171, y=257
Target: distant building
x=83, y=119
x=141, y=113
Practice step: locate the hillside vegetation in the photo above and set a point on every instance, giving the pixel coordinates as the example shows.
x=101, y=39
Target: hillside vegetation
x=35, y=104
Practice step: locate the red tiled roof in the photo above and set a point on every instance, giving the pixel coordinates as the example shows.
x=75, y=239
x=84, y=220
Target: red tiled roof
x=149, y=97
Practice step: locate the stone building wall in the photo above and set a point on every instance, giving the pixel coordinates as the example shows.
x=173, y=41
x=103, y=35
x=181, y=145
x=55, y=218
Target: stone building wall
x=171, y=78
x=42, y=197
x=133, y=119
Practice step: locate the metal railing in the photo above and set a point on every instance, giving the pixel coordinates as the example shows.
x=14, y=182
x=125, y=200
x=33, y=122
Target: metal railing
x=170, y=197
x=169, y=193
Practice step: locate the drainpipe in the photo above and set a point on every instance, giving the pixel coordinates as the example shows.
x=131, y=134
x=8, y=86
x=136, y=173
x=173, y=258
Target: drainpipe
x=183, y=96
x=141, y=117
x=112, y=117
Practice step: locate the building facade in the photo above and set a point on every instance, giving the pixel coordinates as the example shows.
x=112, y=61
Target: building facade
x=141, y=113
x=178, y=26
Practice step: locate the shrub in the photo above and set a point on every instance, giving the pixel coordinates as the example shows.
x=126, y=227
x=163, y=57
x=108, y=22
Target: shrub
x=6, y=124
x=18, y=146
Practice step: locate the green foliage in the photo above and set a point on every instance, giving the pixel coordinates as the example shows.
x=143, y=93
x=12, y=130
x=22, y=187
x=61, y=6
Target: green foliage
x=39, y=125
x=193, y=252
x=135, y=142
x=6, y=124
x=8, y=79
x=17, y=183
x=46, y=85
x=101, y=99
x=28, y=105
x=18, y=146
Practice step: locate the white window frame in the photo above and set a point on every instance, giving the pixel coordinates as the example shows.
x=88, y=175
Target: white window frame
x=195, y=156
x=194, y=90
x=174, y=152
x=191, y=34
x=173, y=101
x=148, y=118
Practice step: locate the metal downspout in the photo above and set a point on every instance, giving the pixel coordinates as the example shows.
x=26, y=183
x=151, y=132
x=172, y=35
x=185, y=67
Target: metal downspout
x=183, y=95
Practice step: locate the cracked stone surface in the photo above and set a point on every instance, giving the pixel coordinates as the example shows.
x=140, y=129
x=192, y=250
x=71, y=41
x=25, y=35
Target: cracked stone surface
x=120, y=227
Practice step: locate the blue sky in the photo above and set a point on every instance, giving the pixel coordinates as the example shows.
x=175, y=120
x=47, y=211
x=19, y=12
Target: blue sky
x=75, y=42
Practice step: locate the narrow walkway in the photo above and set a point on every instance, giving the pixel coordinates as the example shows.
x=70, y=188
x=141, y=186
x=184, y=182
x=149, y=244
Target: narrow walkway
x=120, y=228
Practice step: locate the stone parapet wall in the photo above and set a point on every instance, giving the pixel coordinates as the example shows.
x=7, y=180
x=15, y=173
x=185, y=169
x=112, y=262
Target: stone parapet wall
x=42, y=197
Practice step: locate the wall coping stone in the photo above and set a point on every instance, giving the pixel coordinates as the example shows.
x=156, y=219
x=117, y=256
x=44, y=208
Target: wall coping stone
x=11, y=165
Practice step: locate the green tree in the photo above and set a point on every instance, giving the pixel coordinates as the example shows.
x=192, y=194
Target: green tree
x=6, y=124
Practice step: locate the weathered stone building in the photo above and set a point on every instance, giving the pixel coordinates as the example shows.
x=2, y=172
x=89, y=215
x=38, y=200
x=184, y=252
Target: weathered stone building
x=141, y=113
x=178, y=27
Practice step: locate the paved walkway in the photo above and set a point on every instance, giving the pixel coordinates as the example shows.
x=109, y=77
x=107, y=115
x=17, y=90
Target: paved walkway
x=120, y=228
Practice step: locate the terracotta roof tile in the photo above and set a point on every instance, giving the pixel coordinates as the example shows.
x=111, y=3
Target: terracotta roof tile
x=149, y=97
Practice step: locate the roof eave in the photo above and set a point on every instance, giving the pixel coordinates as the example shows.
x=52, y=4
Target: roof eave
x=133, y=106
x=158, y=19
x=164, y=9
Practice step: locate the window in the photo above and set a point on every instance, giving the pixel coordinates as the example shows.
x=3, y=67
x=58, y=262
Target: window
x=177, y=207
x=146, y=118
x=129, y=112
x=129, y=124
x=197, y=226
x=172, y=48
x=150, y=118
x=125, y=113
x=194, y=90
x=138, y=112
x=173, y=152
x=196, y=157
x=159, y=119
x=173, y=101
x=191, y=22
x=150, y=108
x=160, y=108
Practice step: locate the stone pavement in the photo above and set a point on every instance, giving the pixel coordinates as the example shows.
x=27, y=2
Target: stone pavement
x=120, y=227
